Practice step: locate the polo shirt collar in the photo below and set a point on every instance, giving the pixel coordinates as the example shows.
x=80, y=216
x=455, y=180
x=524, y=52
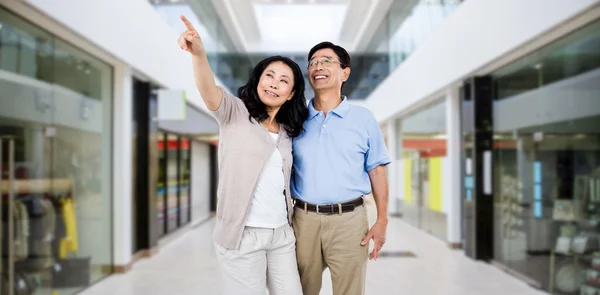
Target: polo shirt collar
x=341, y=110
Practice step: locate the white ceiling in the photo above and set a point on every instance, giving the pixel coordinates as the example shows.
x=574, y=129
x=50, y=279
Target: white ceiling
x=293, y=2
x=297, y=25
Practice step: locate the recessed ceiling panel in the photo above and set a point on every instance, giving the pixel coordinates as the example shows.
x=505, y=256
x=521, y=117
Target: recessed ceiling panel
x=297, y=27
x=300, y=1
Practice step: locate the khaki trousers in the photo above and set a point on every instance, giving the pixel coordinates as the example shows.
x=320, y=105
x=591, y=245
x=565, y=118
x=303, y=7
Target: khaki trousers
x=265, y=260
x=332, y=241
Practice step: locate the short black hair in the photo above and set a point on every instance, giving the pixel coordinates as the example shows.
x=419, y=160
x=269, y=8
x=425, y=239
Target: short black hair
x=339, y=51
x=292, y=113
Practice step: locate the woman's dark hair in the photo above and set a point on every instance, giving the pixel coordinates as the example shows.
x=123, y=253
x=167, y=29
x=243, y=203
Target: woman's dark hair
x=293, y=112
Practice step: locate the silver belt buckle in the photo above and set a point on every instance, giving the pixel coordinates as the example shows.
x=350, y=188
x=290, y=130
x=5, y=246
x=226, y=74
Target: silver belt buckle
x=319, y=212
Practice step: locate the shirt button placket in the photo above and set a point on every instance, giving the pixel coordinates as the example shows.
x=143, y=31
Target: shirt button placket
x=324, y=126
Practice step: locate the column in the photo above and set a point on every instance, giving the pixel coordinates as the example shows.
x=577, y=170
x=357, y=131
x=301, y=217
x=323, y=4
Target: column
x=392, y=168
x=399, y=164
x=453, y=153
x=478, y=205
x=122, y=167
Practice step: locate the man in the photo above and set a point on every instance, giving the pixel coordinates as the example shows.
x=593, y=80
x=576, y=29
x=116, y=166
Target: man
x=339, y=159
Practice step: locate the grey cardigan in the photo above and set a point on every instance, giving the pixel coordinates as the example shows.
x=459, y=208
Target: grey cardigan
x=244, y=149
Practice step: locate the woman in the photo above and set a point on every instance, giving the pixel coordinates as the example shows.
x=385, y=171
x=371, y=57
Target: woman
x=253, y=238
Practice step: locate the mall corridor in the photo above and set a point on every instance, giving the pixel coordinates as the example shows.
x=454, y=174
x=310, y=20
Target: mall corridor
x=484, y=113
x=187, y=265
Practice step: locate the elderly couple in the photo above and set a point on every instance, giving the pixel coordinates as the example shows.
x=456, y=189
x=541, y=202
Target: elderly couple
x=292, y=177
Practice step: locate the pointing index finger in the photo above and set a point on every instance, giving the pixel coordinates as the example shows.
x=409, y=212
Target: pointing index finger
x=187, y=23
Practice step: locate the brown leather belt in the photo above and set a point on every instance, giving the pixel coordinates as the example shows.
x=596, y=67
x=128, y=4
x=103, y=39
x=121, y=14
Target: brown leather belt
x=330, y=208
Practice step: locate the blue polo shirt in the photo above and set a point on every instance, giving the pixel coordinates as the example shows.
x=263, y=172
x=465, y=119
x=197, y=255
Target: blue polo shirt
x=333, y=156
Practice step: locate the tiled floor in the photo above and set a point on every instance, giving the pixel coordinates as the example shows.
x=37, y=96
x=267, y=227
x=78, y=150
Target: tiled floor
x=187, y=265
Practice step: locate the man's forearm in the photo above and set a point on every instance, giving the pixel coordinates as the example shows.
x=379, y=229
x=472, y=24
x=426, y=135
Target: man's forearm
x=379, y=184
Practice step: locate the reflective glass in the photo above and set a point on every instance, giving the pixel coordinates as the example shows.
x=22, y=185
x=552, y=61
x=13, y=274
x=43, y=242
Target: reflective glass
x=184, y=181
x=547, y=164
x=572, y=55
x=424, y=162
x=80, y=72
x=161, y=189
x=24, y=48
x=59, y=124
x=172, y=183
x=423, y=19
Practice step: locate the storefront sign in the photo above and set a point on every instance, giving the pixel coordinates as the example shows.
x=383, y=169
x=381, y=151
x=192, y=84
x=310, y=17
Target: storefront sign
x=171, y=104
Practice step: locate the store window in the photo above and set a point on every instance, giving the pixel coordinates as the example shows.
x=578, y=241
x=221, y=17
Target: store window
x=405, y=33
x=423, y=164
x=25, y=49
x=75, y=70
x=56, y=150
x=172, y=192
x=174, y=186
x=570, y=56
x=184, y=181
x=547, y=164
x=161, y=189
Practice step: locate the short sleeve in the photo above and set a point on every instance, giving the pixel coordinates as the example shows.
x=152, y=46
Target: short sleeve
x=230, y=109
x=377, y=154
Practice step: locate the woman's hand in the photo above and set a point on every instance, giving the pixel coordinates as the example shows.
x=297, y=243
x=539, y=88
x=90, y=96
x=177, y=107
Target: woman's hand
x=205, y=80
x=190, y=39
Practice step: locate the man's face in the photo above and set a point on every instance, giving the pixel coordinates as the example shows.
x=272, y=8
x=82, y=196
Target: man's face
x=325, y=70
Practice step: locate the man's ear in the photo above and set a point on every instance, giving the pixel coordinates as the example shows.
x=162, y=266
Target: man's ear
x=346, y=74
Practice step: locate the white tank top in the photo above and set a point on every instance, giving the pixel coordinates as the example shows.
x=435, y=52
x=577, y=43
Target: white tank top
x=268, y=208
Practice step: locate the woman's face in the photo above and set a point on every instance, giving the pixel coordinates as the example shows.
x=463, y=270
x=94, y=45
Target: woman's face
x=276, y=85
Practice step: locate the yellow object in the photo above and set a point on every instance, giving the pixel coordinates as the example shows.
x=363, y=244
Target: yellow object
x=435, y=184
x=407, y=163
x=70, y=242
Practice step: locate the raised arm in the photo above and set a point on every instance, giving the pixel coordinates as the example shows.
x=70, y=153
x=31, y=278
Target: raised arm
x=205, y=80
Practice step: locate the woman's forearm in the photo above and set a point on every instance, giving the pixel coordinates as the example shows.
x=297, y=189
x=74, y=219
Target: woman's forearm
x=205, y=81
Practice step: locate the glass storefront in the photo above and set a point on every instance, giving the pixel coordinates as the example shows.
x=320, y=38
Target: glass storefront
x=172, y=183
x=547, y=164
x=55, y=162
x=424, y=162
x=161, y=187
x=404, y=28
x=184, y=181
x=173, y=189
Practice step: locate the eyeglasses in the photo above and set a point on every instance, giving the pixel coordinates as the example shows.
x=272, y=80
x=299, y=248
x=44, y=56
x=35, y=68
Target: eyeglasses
x=326, y=62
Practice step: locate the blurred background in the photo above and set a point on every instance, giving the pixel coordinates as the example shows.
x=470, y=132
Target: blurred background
x=490, y=110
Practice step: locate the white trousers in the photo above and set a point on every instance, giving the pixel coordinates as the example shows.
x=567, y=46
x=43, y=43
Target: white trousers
x=265, y=260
